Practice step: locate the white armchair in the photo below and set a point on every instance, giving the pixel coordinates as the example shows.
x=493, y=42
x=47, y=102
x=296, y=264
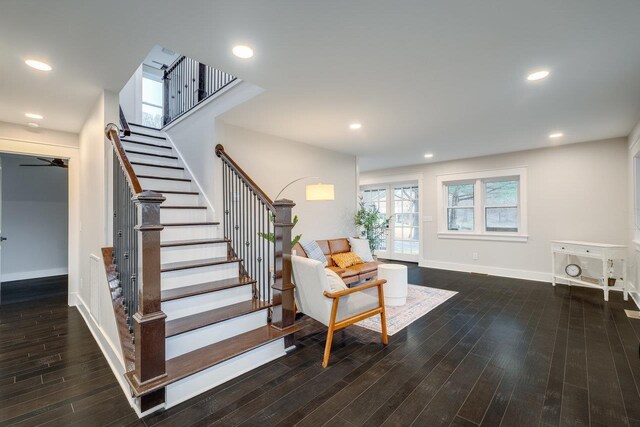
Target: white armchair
x=337, y=310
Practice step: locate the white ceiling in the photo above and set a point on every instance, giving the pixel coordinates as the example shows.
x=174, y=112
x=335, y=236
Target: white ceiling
x=446, y=76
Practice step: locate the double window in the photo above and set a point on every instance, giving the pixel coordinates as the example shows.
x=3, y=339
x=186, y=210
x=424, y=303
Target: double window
x=485, y=205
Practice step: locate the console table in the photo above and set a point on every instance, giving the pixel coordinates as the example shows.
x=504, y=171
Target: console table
x=603, y=252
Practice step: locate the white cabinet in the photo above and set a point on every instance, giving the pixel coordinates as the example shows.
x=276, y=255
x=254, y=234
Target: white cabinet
x=610, y=257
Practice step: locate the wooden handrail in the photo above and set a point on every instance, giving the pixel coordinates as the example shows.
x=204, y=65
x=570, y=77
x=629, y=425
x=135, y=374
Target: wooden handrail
x=124, y=124
x=245, y=178
x=111, y=132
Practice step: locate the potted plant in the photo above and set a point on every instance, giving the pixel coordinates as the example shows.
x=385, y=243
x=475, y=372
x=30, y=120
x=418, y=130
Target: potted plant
x=272, y=238
x=373, y=225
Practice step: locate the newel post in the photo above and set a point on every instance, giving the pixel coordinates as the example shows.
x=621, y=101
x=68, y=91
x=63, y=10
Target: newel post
x=149, y=320
x=283, y=315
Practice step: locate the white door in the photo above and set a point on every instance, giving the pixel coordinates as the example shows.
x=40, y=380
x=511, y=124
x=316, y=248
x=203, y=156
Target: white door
x=400, y=203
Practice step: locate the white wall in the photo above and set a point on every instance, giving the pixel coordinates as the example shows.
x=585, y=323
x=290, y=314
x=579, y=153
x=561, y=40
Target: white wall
x=131, y=98
x=195, y=136
x=273, y=162
x=34, y=219
x=575, y=192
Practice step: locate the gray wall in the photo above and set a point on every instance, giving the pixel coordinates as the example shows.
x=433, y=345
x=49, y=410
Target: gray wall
x=34, y=219
x=575, y=192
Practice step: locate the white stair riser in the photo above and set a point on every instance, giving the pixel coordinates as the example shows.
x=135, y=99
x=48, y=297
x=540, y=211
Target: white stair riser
x=168, y=216
x=140, y=129
x=165, y=184
x=163, y=161
x=147, y=149
x=193, y=340
x=175, y=309
x=171, y=234
x=209, y=378
x=186, y=253
x=193, y=276
x=163, y=172
x=148, y=139
x=178, y=199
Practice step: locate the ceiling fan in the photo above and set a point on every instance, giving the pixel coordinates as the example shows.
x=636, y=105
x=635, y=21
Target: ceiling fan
x=57, y=163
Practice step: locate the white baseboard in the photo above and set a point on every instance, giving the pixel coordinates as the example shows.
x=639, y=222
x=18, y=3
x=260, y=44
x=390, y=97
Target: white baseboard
x=109, y=350
x=537, y=276
x=36, y=274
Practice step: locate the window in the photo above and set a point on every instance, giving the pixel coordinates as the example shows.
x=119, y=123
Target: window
x=377, y=197
x=406, y=220
x=484, y=205
x=460, y=202
x=151, y=103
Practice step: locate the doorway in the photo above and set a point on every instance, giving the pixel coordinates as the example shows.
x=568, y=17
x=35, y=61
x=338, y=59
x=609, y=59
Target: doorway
x=400, y=202
x=34, y=216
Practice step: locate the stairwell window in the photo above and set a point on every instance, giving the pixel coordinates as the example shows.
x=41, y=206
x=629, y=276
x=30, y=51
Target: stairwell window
x=151, y=102
x=487, y=205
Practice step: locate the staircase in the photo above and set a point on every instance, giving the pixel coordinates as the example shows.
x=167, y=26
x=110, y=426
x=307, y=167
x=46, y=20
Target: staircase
x=218, y=322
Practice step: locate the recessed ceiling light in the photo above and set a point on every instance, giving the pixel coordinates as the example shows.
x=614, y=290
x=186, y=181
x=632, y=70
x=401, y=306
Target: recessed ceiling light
x=428, y=155
x=33, y=125
x=242, y=51
x=556, y=135
x=34, y=116
x=538, y=75
x=38, y=65
x=355, y=126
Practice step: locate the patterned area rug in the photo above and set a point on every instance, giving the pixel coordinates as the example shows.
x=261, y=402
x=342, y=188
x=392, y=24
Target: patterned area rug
x=420, y=301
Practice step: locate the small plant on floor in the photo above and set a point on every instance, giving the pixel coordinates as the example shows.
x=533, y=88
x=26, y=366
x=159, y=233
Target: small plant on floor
x=373, y=223
x=272, y=238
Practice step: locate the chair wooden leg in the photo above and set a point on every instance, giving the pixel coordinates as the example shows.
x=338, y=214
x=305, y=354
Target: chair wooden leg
x=383, y=316
x=332, y=324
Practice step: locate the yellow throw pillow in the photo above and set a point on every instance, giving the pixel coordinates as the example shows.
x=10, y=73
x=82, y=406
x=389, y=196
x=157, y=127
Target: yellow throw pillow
x=346, y=259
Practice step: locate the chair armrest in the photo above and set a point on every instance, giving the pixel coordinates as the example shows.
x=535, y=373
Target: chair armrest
x=358, y=288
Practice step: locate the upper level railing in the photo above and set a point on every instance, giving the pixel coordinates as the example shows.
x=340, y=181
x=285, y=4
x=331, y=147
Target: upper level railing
x=136, y=255
x=260, y=233
x=188, y=82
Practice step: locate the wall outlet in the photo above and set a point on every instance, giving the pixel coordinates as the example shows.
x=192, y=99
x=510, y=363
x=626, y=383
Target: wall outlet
x=475, y=256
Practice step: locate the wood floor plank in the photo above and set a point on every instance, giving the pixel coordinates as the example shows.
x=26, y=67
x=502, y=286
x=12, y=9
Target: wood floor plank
x=501, y=352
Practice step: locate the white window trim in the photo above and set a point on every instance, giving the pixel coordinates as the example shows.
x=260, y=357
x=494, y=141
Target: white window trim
x=479, y=177
x=372, y=182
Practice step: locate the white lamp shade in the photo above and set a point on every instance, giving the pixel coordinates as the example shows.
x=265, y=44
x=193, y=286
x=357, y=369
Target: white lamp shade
x=320, y=192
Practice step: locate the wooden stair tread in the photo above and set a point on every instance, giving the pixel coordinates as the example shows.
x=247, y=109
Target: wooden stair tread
x=203, y=358
x=210, y=317
x=152, y=165
x=184, y=265
x=190, y=224
x=142, y=153
x=163, y=177
x=203, y=288
x=182, y=207
x=190, y=193
x=192, y=242
x=146, y=143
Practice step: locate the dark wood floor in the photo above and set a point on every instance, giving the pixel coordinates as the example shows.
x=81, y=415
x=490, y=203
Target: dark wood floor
x=501, y=352
x=32, y=289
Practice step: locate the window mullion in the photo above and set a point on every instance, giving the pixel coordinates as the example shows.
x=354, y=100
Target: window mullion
x=478, y=203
